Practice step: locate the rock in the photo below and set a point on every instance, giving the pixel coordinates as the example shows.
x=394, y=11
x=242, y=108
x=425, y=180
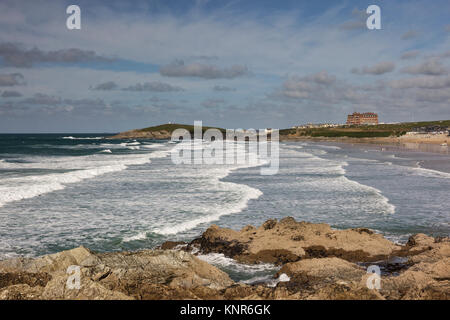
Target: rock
x=316, y=262
x=54, y=262
x=327, y=278
x=340, y=291
x=323, y=270
x=269, y=224
x=30, y=279
x=21, y=292
x=289, y=241
x=169, y=245
x=142, y=134
x=148, y=274
x=418, y=243
x=428, y=275
x=421, y=240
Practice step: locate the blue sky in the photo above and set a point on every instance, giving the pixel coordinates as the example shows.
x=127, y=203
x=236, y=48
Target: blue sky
x=228, y=63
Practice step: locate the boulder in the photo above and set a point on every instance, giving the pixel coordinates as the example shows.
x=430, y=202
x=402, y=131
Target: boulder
x=147, y=274
x=289, y=241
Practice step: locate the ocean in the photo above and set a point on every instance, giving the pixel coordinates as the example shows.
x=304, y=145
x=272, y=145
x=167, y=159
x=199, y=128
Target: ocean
x=60, y=191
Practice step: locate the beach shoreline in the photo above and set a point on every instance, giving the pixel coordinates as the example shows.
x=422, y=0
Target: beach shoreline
x=398, y=144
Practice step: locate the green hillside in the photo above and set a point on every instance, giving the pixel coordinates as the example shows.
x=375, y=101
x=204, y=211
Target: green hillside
x=381, y=130
x=170, y=127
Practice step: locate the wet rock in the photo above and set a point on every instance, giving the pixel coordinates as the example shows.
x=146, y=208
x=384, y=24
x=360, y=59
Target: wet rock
x=30, y=279
x=169, y=245
x=269, y=224
x=289, y=240
x=148, y=274
x=323, y=270
x=316, y=262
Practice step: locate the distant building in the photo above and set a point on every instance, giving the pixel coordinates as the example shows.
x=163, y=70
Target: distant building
x=367, y=118
x=436, y=129
x=317, y=125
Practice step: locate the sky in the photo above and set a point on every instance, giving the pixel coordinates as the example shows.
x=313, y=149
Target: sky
x=233, y=64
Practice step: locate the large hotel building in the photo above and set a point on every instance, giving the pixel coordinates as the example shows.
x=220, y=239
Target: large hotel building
x=362, y=118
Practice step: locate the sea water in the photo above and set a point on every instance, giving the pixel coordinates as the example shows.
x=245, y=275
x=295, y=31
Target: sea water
x=60, y=191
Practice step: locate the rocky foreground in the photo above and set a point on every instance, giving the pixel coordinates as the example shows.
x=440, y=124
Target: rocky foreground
x=316, y=262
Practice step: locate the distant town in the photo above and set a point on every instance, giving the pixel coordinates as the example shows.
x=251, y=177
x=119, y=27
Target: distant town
x=357, y=119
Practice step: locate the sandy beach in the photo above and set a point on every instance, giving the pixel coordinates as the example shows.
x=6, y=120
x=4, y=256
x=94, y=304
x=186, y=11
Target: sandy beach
x=438, y=143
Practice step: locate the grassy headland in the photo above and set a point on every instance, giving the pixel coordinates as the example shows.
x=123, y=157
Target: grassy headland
x=372, y=131
x=171, y=127
x=163, y=131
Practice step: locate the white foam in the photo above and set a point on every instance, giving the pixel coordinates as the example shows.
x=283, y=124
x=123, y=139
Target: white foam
x=328, y=147
x=19, y=188
x=249, y=193
x=393, y=156
x=139, y=236
x=82, y=138
x=219, y=259
x=382, y=204
x=152, y=146
x=268, y=280
x=429, y=173
x=313, y=164
x=214, y=213
x=106, y=151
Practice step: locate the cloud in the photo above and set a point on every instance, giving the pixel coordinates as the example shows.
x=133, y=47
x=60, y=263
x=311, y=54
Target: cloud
x=445, y=55
x=43, y=99
x=319, y=87
x=357, y=23
x=423, y=82
x=429, y=67
x=302, y=87
x=321, y=77
x=223, y=88
x=205, y=71
x=378, y=69
x=154, y=86
x=411, y=34
x=11, y=94
x=410, y=55
x=106, y=86
x=213, y=103
x=434, y=95
x=12, y=79
x=204, y=57
x=18, y=56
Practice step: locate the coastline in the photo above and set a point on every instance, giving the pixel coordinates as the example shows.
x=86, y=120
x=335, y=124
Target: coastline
x=315, y=262
x=421, y=145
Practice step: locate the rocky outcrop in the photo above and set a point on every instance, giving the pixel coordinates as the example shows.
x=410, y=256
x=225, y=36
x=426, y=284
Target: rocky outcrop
x=316, y=262
x=289, y=241
x=428, y=275
x=142, y=134
x=149, y=274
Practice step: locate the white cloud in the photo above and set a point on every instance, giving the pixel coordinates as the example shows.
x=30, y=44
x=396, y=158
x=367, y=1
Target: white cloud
x=378, y=69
